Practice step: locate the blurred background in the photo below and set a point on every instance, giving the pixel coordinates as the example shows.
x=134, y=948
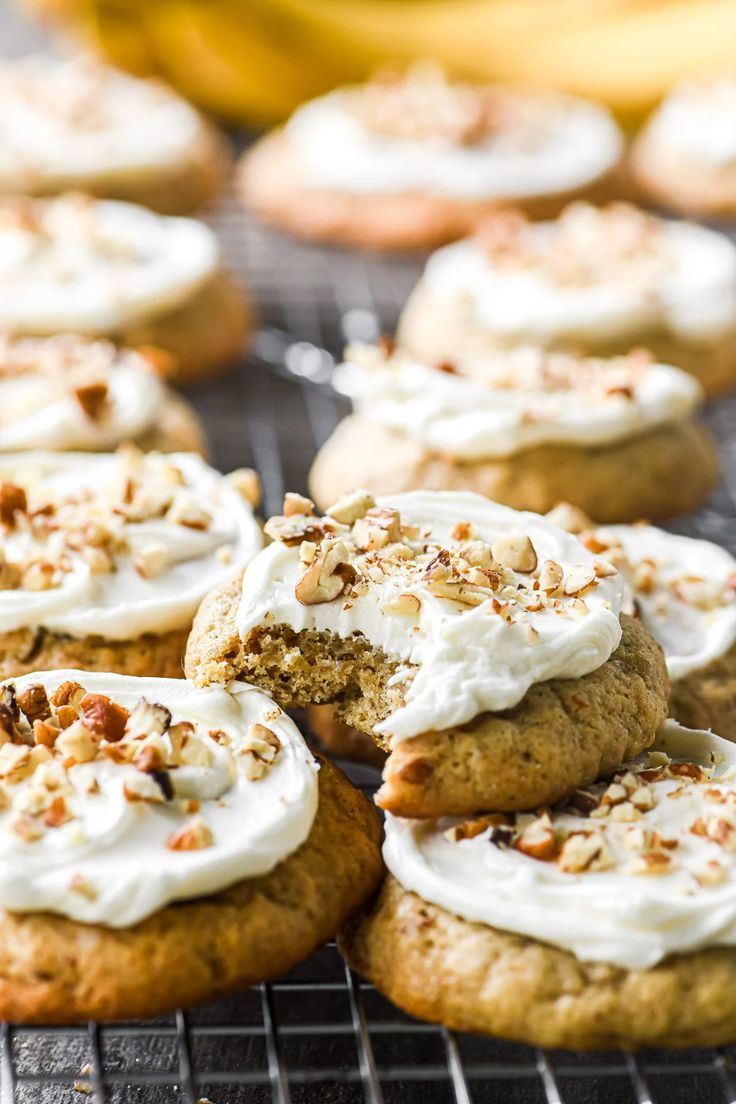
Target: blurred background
x=252, y=61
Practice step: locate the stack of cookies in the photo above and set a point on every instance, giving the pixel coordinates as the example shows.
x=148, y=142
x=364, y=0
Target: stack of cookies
x=558, y=853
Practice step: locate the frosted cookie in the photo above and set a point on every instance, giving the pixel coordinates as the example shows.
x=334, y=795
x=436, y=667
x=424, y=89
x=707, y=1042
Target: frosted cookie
x=105, y=557
x=609, y=921
x=685, y=157
x=415, y=160
x=107, y=269
x=78, y=124
x=481, y=647
x=524, y=427
x=683, y=592
x=163, y=846
x=597, y=281
x=70, y=393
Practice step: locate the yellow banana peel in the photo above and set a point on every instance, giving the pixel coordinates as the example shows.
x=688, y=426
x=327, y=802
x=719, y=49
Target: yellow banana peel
x=253, y=61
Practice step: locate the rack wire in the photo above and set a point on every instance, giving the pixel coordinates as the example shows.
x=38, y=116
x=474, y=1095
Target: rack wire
x=320, y=1035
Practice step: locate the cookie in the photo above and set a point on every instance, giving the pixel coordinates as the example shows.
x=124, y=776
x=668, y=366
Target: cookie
x=406, y=162
x=119, y=915
x=69, y=393
x=76, y=124
x=106, y=269
x=481, y=647
x=596, y=282
x=682, y=590
x=106, y=556
x=607, y=922
x=524, y=427
x=685, y=156
x=342, y=739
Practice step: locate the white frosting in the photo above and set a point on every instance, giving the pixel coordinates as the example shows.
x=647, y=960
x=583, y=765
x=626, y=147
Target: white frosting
x=684, y=279
x=68, y=122
x=572, y=143
x=621, y=914
x=122, y=603
x=696, y=123
x=499, y=404
x=96, y=266
x=683, y=590
x=39, y=405
x=114, y=850
x=465, y=660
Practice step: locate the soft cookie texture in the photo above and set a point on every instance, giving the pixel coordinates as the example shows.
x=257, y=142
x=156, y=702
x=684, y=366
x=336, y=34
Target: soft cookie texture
x=563, y=733
x=26, y=650
x=707, y=698
x=668, y=470
x=471, y=977
x=55, y=970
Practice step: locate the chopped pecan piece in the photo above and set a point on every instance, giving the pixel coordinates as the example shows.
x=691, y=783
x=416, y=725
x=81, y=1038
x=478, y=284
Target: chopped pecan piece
x=12, y=501
x=516, y=553
x=93, y=399
x=104, y=717
x=34, y=702
x=193, y=835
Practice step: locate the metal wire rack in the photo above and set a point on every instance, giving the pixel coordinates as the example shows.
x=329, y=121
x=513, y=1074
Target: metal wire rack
x=320, y=1035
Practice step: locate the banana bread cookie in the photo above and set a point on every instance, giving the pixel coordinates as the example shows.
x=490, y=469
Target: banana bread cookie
x=524, y=427
x=108, y=269
x=105, y=557
x=413, y=160
x=481, y=647
x=164, y=846
x=609, y=921
x=596, y=282
x=68, y=393
x=74, y=123
x=685, y=156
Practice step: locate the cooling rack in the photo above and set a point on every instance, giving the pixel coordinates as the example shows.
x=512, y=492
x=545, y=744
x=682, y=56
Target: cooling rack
x=320, y=1035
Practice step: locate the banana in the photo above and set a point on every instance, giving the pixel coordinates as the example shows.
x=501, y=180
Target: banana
x=255, y=61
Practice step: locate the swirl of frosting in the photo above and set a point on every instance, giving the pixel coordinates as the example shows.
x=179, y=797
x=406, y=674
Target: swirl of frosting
x=476, y=601
x=115, y=544
x=628, y=871
x=467, y=142
x=67, y=392
x=696, y=123
x=97, y=266
x=64, y=121
x=500, y=404
x=682, y=589
x=599, y=273
x=119, y=795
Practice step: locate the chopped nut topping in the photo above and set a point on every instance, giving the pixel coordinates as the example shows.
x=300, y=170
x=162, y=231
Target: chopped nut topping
x=584, y=852
x=77, y=743
x=93, y=399
x=297, y=504
x=192, y=836
x=516, y=553
x=327, y=576
x=13, y=501
x=351, y=507
x=104, y=717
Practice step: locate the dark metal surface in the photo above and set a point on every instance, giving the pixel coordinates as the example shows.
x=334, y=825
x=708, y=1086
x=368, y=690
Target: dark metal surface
x=319, y=1036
